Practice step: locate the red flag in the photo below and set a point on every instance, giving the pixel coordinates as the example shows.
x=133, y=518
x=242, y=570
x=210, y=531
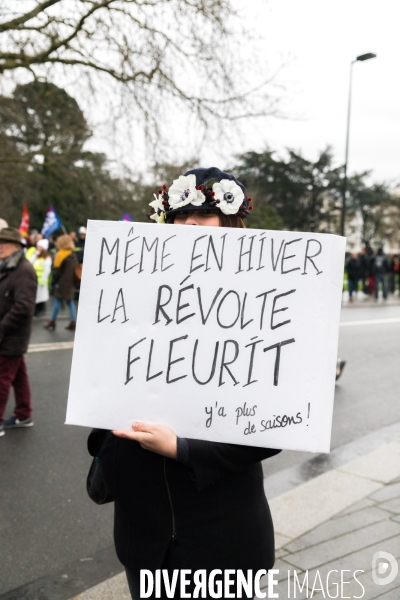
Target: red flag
x=24, y=227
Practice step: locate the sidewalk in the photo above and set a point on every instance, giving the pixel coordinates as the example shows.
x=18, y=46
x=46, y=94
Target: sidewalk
x=334, y=522
x=338, y=521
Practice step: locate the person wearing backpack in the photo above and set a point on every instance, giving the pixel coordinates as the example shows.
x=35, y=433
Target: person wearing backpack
x=380, y=268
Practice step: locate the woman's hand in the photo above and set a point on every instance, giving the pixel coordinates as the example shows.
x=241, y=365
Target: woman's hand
x=157, y=438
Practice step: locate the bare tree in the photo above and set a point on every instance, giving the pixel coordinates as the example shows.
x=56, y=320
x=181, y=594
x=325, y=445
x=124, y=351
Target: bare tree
x=184, y=52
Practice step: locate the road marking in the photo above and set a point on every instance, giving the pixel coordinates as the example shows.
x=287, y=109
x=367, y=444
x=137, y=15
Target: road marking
x=50, y=346
x=370, y=322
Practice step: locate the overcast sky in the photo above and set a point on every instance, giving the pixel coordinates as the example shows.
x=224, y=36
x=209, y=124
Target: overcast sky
x=316, y=41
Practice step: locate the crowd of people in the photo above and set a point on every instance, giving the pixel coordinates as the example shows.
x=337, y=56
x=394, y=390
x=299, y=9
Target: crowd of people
x=179, y=502
x=31, y=268
x=369, y=271
x=57, y=262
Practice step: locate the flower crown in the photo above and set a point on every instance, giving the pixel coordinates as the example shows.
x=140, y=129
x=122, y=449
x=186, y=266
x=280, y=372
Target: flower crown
x=225, y=195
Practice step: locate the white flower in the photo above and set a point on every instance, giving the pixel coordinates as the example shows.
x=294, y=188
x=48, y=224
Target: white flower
x=183, y=191
x=157, y=204
x=230, y=196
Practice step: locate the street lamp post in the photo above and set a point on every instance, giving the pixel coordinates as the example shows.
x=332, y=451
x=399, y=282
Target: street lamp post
x=360, y=58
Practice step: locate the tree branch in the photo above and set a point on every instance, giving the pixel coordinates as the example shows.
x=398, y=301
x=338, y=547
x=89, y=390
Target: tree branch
x=158, y=51
x=15, y=23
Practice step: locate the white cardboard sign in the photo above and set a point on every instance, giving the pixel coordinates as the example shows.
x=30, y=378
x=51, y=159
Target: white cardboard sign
x=223, y=334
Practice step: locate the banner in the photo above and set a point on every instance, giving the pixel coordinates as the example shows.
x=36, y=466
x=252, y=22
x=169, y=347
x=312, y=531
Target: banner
x=220, y=333
x=24, y=227
x=51, y=223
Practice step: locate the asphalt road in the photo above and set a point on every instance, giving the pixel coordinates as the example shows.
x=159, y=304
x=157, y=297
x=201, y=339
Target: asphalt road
x=47, y=522
x=367, y=393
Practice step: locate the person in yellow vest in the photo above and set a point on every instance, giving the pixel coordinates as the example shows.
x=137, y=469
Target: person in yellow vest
x=41, y=262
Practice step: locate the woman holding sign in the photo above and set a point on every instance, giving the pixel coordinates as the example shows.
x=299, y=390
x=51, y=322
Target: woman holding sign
x=185, y=503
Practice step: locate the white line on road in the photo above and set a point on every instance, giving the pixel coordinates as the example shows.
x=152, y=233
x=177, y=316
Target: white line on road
x=370, y=322
x=47, y=347
x=50, y=346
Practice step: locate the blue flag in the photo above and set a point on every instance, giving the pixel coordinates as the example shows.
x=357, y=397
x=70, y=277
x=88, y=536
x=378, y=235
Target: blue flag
x=127, y=217
x=51, y=222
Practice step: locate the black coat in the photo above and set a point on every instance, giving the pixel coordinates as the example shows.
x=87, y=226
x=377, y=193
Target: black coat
x=17, y=306
x=353, y=268
x=380, y=265
x=365, y=261
x=80, y=249
x=213, y=513
x=64, y=278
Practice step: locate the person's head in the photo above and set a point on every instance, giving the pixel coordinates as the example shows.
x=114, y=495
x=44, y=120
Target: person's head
x=354, y=255
x=209, y=218
x=10, y=242
x=380, y=251
x=64, y=242
x=42, y=248
x=82, y=233
x=202, y=197
x=33, y=237
x=72, y=235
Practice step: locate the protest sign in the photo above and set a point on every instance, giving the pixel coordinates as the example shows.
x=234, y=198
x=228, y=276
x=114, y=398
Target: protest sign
x=222, y=334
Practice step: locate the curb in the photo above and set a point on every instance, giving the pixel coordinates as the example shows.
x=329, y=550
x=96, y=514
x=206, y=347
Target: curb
x=322, y=498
